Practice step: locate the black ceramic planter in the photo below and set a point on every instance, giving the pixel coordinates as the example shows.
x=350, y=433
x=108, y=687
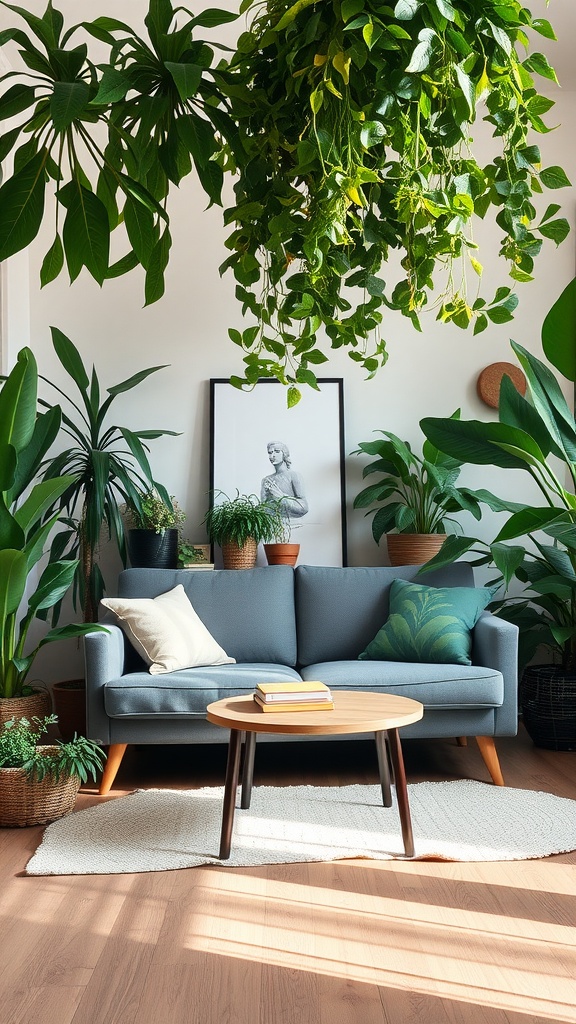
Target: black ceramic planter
x=548, y=700
x=150, y=550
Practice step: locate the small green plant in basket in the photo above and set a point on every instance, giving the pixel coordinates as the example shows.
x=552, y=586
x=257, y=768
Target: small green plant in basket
x=20, y=747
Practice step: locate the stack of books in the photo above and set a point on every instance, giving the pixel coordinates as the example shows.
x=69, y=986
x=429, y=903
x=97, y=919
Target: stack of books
x=304, y=696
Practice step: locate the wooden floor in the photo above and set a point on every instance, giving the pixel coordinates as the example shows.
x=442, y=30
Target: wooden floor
x=354, y=942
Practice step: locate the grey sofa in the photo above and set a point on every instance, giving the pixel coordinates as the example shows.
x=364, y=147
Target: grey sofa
x=280, y=623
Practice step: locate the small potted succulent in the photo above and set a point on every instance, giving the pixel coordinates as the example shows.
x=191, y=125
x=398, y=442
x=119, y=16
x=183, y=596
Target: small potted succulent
x=39, y=782
x=238, y=525
x=153, y=530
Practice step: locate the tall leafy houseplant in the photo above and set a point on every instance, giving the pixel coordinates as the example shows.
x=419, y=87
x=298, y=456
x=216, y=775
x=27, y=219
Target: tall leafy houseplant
x=536, y=434
x=106, y=465
x=27, y=518
x=348, y=126
x=415, y=494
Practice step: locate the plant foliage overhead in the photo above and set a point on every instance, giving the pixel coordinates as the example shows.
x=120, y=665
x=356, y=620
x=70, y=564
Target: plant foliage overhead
x=348, y=125
x=536, y=434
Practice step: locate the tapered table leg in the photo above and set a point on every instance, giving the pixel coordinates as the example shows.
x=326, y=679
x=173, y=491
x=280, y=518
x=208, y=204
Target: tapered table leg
x=230, y=788
x=248, y=770
x=401, y=791
x=383, y=768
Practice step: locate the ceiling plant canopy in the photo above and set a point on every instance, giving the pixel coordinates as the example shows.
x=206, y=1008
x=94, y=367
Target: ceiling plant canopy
x=346, y=125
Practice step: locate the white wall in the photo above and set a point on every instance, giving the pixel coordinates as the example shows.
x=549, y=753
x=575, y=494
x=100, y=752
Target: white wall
x=427, y=374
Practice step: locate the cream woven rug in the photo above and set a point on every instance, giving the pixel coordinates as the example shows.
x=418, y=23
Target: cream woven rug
x=160, y=830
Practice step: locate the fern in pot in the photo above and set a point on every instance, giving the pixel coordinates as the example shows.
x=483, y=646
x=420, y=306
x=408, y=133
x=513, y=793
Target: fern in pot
x=238, y=525
x=39, y=782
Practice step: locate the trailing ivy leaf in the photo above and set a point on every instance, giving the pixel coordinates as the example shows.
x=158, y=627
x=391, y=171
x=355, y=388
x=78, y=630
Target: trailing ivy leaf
x=22, y=205
x=539, y=63
x=557, y=230
x=554, y=177
x=406, y=9
x=544, y=27
x=422, y=54
x=52, y=263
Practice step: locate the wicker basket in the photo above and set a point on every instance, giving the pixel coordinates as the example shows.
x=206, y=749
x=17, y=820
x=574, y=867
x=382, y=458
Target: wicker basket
x=548, y=700
x=25, y=801
x=234, y=557
x=38, y=704
x=413, y=548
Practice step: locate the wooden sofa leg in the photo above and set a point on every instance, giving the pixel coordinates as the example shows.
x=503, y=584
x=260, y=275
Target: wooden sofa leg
x=113, y=761
x=488, y=751
x=462, y=741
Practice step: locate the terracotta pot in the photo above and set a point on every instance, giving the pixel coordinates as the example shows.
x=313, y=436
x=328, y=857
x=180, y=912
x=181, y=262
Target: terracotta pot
x=37, y=705
x=69, y=698
x=413, y=548
x=282, y=554
x=548, y=702
x=235, y=557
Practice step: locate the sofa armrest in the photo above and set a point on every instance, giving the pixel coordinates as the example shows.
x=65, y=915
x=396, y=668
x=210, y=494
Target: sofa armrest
x=103, y=660
x=495, y=645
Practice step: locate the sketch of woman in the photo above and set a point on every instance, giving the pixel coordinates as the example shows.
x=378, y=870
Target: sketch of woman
x=284, y=484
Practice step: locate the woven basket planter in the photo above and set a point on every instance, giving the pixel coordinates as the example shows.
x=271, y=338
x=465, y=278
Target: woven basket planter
x=38, y=705
x=413, y=548
x=548, y=700
x=25, y=801
x=235, y=557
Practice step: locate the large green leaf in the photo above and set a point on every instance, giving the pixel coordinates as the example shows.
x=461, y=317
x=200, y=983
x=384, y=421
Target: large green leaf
x=70, y=358
x=16, y=99
x=22, y=205
x=11, y=534
x=18, y=399
x=527, y=521
x=549, y=401
x=559, y=332
x=481, y=443
x=68, y=102
x=13, y=577
x=53, y=584
x=41, y=498
x=86, y=232
x=187, y=78
x=29, y=458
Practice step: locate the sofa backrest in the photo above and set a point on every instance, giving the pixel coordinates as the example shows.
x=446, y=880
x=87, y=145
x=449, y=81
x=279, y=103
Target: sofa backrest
x=339, y=611
x=250, y=612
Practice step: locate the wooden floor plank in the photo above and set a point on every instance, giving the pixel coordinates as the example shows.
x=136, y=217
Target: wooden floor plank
x=354, y=942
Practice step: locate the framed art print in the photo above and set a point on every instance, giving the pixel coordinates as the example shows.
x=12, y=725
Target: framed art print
x=258, y=446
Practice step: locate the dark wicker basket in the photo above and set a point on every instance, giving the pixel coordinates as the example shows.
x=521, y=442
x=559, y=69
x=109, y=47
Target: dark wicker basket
x=548, y=701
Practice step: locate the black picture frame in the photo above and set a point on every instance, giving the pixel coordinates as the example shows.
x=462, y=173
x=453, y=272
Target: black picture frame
x=244, y=422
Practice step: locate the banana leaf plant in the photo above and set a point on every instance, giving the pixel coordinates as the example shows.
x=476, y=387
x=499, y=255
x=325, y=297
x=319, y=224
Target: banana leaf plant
x=27, y=518
x=416, y=494
x=106, y=466
x=537, y=544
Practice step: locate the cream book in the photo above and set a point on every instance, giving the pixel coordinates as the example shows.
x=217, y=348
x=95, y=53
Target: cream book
x=293, y=691
x=278, y=707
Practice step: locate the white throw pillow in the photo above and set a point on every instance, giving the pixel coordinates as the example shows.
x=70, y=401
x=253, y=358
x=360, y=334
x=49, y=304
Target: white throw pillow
x=167, y=632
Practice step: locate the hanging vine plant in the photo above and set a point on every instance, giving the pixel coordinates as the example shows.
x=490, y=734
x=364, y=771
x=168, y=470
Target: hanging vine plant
x=347, y=125
x=355, y=117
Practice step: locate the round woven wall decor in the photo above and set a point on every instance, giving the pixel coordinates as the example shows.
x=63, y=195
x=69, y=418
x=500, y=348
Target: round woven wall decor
x=489, y=380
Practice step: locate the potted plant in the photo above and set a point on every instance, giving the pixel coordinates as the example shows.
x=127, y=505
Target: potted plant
x=416, y=496
x=28, y=513
x=238, y=525
x=536, y=434
x=281, y=550
x=105, y=465
x=153, y=530
x=39, y=782
x=347, y=127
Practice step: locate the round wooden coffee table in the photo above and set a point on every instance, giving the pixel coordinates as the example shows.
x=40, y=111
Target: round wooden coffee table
x=355, y=711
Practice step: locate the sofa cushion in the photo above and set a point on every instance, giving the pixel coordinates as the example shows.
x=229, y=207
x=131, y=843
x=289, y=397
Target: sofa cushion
x=435, y=686
x=186, y=694
x=429, y=624
x=339, y=610
x=249, y=612
x=167, y=632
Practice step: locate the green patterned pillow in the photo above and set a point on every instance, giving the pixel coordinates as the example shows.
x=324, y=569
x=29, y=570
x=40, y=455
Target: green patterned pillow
x=429, y=624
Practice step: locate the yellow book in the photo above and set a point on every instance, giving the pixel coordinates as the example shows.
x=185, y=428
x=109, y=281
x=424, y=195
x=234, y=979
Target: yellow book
x=293, y=691
x=280, y=706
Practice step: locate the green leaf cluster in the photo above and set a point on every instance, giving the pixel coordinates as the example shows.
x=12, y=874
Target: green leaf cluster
x=28, y=515
x=414, y=494
x=241, y=518
x=154, y=513
x=537, y=434
x=103, y=467
x=20, y=747
x=355, y=118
